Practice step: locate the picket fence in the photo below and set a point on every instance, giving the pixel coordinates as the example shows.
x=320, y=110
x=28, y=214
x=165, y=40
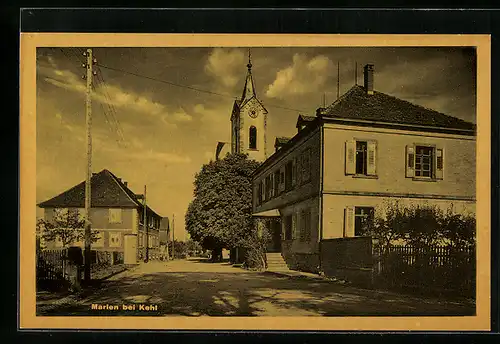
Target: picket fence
x=438, y=268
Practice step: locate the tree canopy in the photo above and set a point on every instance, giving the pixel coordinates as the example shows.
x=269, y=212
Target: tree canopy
x=220, y=214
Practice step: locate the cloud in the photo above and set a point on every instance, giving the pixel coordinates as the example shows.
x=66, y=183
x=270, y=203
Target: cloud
x=302, y=77
x=112, y=95
x=225, y=66
x=136, y=151
x=212, y=115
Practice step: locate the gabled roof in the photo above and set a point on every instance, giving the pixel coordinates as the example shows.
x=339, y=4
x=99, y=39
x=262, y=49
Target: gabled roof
x=356, y=104
x=107, y=190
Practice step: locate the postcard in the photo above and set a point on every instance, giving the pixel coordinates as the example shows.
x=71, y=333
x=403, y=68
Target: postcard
x=255, y=182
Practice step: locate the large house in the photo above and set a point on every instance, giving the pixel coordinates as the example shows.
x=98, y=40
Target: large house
x=116, y=216
x=345, y=163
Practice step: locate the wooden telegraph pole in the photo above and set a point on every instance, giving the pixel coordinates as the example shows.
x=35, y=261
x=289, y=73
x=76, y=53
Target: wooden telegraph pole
x=145, y=221
x=88, y=124
x=173, y=236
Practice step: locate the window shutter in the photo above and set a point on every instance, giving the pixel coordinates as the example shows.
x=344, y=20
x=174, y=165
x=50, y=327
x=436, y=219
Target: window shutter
x=439, y=163
x=410, y=161
x=349, y=221
x=294, y=226
x=298, y=169
x=371, y=165
x=350, y=157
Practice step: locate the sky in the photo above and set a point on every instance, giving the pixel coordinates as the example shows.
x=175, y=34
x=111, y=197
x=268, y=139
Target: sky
x=160, y=133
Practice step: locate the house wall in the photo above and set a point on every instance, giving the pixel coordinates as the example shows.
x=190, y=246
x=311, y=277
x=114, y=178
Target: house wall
x=301, y=191
x=334, y=206
x=112, y=234
x=459, y=162
x=456, y=189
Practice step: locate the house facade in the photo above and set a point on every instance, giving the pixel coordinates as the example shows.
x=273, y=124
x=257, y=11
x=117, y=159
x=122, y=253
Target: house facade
x=116, y=216
x=354, y=157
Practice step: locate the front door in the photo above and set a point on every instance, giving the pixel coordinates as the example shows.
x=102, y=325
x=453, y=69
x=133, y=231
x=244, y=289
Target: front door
x=274, y=244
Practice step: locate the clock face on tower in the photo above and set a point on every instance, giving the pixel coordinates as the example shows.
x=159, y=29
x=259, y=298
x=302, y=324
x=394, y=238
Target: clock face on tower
x=253, y=111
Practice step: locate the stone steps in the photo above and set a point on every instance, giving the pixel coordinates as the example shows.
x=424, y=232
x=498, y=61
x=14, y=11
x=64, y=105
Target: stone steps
x=275, y=262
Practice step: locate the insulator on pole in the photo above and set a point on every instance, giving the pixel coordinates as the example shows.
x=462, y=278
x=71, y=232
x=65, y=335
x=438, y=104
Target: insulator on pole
x=94, y=72
x=84, y=53
x=95, y=61
x=84, y=77
x=84, y=65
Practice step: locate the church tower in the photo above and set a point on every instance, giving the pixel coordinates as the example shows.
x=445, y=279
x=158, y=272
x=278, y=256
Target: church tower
x=249, y=121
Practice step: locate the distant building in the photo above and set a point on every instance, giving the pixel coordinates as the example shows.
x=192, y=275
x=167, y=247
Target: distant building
x=116, y=214
x=344, y=163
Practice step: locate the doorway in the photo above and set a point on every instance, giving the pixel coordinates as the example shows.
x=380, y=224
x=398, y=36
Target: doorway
x=274, y=244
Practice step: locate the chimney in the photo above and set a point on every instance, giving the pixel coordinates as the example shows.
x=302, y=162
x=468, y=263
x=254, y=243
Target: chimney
x=368, y=71
x=126, y=184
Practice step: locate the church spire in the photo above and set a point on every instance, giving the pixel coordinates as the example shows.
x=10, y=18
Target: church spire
x=249, y=90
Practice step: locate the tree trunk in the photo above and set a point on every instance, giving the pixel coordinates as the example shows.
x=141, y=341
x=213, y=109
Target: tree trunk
x=217, y=254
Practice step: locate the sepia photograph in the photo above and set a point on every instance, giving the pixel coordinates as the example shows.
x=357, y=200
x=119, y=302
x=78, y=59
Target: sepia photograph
x=256, y=180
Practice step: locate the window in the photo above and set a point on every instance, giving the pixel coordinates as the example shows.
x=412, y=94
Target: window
x=294, y=172
x=305, y=225
x=363, y=216
x=424, y=158
x=424, y=162
x=361, y=148
x=294, y=225
x=268, y=187
x=288, y=175
x=259, y=193
x=115, y=215
x=306, y=166
x=360, y=158
x=115, y=240
x=99, y=240
x=288, y=227
x=252, y=138
x=276, y=182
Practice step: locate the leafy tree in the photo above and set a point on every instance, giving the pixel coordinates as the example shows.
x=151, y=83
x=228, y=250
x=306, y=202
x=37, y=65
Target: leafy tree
x=385, y=230
x=220, y=214
x=68, y=226
x=180, y=249
x=459, y=230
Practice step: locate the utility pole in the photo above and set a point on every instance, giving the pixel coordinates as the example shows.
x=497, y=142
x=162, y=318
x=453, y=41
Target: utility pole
x=145, y=221
x=88, y=194
x=338, y=79
x=173, y=236
x=356, y=73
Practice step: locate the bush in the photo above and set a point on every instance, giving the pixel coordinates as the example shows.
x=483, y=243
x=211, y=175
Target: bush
x=421, y=226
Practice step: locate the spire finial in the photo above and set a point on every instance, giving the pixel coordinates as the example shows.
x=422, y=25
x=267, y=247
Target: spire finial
x=249, y=65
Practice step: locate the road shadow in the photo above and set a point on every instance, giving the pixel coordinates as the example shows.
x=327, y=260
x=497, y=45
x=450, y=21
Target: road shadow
x=249, y=294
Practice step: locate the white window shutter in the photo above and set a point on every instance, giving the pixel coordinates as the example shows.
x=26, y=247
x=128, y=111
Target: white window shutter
x=349, y=221
x=439, y=163
x=371, y=166
x=350, y=157
x=410, y=161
